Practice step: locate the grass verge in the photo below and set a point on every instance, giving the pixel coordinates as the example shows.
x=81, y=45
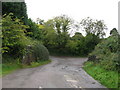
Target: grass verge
x=10, y=67
x=105, y=77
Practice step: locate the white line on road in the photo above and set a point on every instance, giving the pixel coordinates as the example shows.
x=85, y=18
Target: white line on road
x=39, y=87
x=72, y=82
x=75, y=86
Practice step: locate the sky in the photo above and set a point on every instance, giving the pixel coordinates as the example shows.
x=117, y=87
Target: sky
x=106, y=10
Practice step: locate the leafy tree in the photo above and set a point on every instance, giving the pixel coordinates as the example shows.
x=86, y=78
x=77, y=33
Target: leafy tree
x=82, y=45
x=49, y=35
x=61, y=25
x=107, y=52
x=18, y=8
x=34, y=31
x=56, y=36
x=114, y=31
x=50, y=39
x=21, y=36
x=72, y=47
x=91, y=26
x=77, y=36
x=90, y=42
x=40, y=21
x=14, y=40
x=56, y=32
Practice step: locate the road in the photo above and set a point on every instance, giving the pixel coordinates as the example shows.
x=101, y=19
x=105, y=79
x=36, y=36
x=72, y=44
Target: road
x=62, y=72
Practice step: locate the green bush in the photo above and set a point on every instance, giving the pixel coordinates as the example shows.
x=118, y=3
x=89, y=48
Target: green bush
x=107, y=52
x=14, y=40
x=40, y=52
x=33, y=31
x=71, y=47
x=110, y=62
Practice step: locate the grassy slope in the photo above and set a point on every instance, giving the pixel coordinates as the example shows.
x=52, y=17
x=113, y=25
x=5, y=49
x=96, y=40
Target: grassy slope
x=107, y=78
x=9, y=68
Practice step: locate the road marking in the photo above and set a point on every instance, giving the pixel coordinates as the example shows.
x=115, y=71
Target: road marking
x=79, y=87
x=39, y=87
x=74, y=81
x=67, y=77
x=75, y=86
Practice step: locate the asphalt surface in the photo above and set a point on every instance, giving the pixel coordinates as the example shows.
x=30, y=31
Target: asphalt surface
x=62, y=72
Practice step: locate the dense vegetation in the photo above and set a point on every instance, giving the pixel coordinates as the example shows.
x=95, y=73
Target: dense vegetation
x=16, y=45
x=104, y=61
x=27, y=42
x=14, y=39
x=56, y=34
x=18, y=8
x=107, y=52
x=21, y=42
x=105, y=77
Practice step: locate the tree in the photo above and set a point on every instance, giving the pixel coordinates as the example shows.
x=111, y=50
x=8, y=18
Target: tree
x=77, y=36
x=34, y=31
x=96, y=27
x=114, y=32
x=107, y=52
x=90, y=42
x=14, y=40
x=40, y=21
x=62, y=23
x=72, y=47
x=18, y=8
x=49, y=35
x=56, y=32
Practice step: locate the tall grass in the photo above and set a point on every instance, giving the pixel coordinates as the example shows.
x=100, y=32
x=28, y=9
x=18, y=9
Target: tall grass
x=105, y=77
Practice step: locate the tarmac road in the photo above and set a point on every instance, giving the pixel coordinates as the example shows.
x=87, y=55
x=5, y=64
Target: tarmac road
x=62, y=72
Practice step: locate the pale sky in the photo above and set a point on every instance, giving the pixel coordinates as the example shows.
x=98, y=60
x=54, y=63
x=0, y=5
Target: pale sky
x=106, y=10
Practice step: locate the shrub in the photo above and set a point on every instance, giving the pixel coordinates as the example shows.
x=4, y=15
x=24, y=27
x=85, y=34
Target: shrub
x=71, y=47
x=107, y=52
x=14, y=40
x=110, y=62
x=40, y=52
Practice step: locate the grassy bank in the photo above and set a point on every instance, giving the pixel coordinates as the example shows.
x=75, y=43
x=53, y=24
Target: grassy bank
x=10, y=67
x=105, y=77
